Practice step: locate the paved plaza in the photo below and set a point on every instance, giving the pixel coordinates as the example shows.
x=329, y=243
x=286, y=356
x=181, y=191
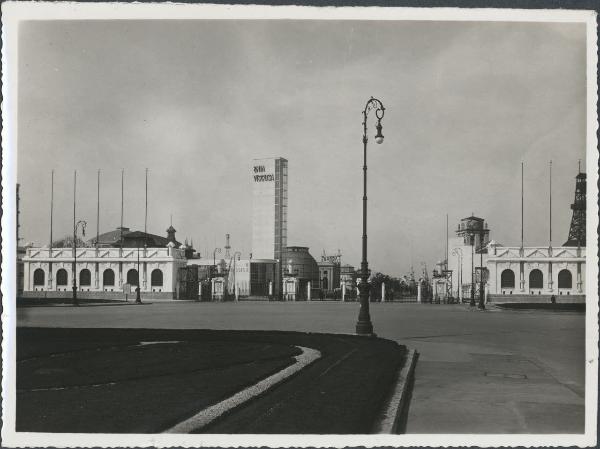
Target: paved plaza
x=498, y=371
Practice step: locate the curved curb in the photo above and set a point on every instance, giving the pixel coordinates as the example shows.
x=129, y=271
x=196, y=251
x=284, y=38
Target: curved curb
x=206, y=416
x=393, y=417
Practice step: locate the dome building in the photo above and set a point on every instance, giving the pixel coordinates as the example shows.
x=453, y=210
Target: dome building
x=299, y=264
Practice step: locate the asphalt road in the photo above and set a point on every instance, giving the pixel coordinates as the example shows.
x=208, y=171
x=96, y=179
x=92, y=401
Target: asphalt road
x=479, y=372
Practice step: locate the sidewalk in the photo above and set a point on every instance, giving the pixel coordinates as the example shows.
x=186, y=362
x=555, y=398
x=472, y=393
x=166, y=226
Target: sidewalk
x=465, y=383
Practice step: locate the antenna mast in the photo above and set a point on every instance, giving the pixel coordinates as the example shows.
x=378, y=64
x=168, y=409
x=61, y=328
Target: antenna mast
x=227, y=247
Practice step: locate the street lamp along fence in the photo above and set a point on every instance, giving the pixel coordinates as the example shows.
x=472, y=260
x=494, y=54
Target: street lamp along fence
x=138, y=294
x=213, y=270
x=364, y=326
x=83, y=225
x=472, y=241
x=481, y=304
x=236, y=256
x=458, y=252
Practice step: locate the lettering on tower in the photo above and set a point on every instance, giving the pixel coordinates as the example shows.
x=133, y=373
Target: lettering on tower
x=262, y=177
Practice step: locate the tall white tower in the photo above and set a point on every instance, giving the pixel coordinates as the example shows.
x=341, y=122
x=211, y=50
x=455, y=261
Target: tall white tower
x=269, y=208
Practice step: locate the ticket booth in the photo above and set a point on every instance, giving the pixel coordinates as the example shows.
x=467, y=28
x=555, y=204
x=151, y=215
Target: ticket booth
x=218, y=289
x=290, y=288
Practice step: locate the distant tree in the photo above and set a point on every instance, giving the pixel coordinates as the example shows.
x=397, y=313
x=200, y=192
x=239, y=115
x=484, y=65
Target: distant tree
x=376, y=280
x=67, y=242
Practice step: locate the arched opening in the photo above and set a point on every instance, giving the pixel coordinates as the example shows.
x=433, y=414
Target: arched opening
x=108, y=277
x=507, y=279
x=536, y=279
x=156, y=278
x=39, y=277
x=132, y=277
x=85, y=277
x=565, y=279
x=62, y=278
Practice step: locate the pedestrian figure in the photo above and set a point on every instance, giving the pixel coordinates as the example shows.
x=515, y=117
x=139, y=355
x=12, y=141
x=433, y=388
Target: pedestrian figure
x=553, y=299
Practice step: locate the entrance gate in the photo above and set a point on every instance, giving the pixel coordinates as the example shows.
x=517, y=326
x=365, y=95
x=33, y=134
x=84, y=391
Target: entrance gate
x=188, y=282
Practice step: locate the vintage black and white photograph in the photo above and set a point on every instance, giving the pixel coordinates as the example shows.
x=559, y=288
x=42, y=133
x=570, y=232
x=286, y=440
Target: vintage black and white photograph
x=298, y=226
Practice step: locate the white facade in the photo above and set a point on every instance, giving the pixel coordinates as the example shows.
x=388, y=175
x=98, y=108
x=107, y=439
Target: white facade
x=102, y=271
x=536, y=271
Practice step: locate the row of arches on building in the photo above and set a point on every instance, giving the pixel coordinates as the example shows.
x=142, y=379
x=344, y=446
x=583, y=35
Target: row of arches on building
x=536, y=279
x=108, y=277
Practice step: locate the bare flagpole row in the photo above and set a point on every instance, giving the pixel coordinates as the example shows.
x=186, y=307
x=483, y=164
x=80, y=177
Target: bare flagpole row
x=82, y=223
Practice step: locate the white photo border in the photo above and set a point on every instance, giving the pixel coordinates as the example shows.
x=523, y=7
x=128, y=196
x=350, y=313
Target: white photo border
x=15, y=12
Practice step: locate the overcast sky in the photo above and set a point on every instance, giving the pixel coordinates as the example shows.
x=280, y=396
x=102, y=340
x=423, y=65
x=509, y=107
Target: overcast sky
x=196, y=101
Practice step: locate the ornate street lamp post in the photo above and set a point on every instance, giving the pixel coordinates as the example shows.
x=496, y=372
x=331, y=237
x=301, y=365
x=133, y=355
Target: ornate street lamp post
x=481, y=287
x=236, y=256
x=458, y=252
x=83, y=224
x=472, y=238
x=138, y=296
x=214, y=267
x=364, y=325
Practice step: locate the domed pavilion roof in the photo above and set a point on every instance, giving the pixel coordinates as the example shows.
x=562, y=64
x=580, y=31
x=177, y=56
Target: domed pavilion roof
x=301, y=262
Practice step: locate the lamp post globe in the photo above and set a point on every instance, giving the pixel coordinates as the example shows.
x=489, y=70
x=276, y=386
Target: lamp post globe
x=379, y=136
x=481, y=304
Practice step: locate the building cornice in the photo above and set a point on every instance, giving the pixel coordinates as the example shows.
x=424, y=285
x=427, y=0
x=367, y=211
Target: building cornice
x=536, y=259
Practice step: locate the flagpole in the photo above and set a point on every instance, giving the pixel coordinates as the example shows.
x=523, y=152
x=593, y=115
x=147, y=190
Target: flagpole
x=74, y=270
x=51, y=208
x=138, y=297
x=522, y=206
x=121, y=236
x=446, y=241
x=550, y=204
x=522, y=251
x=146, y=209
x=121, y=228
x=98, y=212
x=74, y=202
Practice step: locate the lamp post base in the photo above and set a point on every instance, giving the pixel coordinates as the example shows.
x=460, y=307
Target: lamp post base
x=75, y=300
x=364, y=328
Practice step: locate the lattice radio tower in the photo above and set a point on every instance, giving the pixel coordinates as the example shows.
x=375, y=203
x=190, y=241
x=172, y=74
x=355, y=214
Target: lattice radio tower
x=227, y=247
x=577, y=229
